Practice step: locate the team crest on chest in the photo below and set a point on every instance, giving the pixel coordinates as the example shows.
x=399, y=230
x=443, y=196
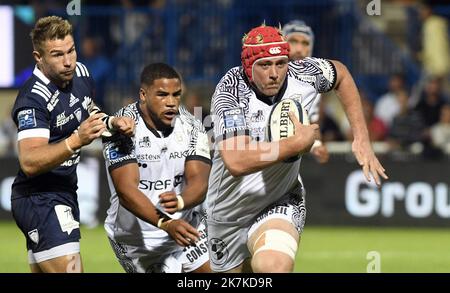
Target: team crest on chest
x=178, y=137
x=144, y=142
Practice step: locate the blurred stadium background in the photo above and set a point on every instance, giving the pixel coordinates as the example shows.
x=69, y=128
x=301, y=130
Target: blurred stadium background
x=395, y=53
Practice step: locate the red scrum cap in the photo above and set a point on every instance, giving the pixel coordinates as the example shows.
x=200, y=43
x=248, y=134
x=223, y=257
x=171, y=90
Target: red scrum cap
x=262, y=42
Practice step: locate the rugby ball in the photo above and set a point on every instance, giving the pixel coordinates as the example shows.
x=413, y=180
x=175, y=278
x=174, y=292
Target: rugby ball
x=280, y=126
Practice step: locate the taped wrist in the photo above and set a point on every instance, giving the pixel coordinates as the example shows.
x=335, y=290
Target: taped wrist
x=180, y=203
x=66, y=141
x=163, y=223
x=317, y=143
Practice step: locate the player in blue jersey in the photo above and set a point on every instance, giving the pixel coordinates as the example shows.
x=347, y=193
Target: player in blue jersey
x=55, y=116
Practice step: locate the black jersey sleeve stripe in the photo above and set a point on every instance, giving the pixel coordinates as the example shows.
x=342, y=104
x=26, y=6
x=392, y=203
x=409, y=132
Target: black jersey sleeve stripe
x=199, y=158
x=122, y=163
x=241, y=132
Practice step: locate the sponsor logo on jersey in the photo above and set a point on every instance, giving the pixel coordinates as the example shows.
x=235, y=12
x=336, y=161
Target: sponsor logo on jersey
x=26, y=119
x=156, y=158
x=71, y=162
x=86, y=101
x=53, y=101
x=113, y=153
x=160, y=184
x=258, y=116
x=148, y=158
x=258, y=133
x=178, y=155
x=144, y=142
x=73, y=100
x=276, y=210
x=61, y=119
x=233, y=118
x=307, y=78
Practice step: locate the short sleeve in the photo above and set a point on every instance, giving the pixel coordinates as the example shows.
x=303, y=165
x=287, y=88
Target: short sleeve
x=118, y=150
x=32, y=120
x=228, y=116
x=320, y=73
x=199, y=145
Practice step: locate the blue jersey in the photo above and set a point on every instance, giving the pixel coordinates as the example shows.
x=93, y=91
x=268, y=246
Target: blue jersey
x=44, y=110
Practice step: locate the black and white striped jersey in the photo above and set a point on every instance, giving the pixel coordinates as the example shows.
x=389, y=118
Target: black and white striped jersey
x=161, y=159
x=237, y=110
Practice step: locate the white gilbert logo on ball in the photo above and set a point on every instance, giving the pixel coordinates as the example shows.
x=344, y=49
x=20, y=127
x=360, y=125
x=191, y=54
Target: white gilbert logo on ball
x=280, y=125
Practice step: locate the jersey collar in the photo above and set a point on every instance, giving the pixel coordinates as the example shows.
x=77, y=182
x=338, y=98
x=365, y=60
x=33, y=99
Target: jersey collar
x=53, y=87
x=37, y=72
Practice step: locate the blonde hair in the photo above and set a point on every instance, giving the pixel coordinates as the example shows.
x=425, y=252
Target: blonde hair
x=49, y=28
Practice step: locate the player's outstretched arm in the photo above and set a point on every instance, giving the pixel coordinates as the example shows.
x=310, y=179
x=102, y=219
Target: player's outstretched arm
x=37, y=156
x=126, y=182
x=196, y=174
x=243, y=156
x=361, y=147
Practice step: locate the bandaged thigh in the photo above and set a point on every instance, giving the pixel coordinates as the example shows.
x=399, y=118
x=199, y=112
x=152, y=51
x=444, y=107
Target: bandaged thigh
x=277, y=240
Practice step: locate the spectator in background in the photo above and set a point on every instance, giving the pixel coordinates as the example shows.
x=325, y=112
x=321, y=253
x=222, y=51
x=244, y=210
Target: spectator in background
x=98, y=63
x=329, y=129
x=408, y=126
x=194, y=101
x=440, y=132
x=388, y=105
x=431, y=102
x=8, y=136
x=435, y=55
x=377, y=128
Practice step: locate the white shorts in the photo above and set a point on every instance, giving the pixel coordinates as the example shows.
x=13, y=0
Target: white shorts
x=168, y=259
x=291, y=209
x=228, y=241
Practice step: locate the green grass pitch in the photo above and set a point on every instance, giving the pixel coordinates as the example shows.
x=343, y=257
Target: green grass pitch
x=322, y=250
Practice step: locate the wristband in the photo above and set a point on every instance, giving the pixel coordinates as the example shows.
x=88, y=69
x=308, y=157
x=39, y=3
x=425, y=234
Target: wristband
x=163, y=225
x=68, y=146
x=180, y=203
x=317, y=143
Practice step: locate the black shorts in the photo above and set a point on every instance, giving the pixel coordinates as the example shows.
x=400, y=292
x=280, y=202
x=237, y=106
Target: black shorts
x=50, y=223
